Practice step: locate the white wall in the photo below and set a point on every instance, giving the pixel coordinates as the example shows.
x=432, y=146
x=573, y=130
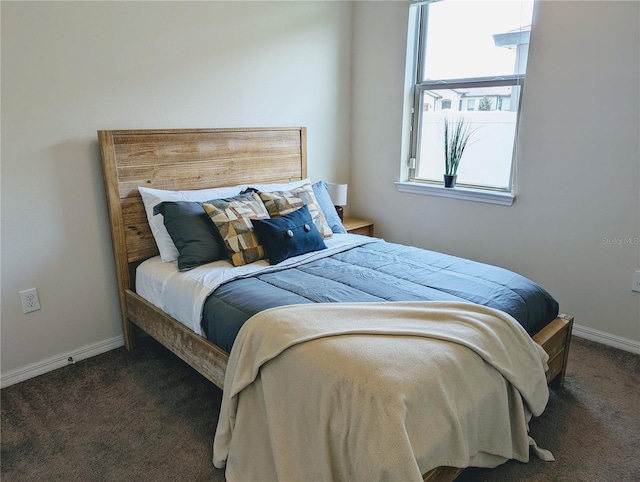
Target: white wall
x=578, y=165
x=71, y=68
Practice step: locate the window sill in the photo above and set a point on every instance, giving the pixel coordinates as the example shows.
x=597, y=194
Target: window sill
x=463, y=193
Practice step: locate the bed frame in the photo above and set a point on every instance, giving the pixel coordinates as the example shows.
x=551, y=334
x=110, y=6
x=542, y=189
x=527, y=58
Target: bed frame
x=185, y=159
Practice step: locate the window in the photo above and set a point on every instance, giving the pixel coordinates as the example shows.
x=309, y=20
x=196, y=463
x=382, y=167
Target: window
x=474, y=55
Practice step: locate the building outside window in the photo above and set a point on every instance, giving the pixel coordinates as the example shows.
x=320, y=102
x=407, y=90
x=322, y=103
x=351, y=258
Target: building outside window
x=469, y=61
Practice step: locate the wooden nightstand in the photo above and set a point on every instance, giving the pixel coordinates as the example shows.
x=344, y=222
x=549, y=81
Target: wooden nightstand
x=358, y=226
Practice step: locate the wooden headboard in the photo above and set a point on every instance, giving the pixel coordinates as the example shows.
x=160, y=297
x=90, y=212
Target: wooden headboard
x=185, y=159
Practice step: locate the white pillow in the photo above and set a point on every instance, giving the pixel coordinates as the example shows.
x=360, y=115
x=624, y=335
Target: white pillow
x=153, y=197
x=283, y=186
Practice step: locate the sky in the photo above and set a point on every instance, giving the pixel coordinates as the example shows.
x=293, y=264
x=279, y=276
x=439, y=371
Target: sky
x=460, y=42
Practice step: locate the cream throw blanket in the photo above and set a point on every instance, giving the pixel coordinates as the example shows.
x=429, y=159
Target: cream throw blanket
x=377, y=391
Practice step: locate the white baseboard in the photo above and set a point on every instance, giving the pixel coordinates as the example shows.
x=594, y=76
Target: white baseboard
x=606, y=339
x=59, y=361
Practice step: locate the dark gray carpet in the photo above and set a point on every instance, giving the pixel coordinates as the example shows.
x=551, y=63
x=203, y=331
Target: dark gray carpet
x=118, y=416
x=145, y=415
x=592, y=426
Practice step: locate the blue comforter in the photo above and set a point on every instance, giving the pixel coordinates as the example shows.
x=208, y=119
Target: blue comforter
x=378, y=271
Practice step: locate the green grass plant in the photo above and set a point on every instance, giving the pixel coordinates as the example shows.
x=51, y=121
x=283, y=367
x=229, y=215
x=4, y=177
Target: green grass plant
x=457, y=135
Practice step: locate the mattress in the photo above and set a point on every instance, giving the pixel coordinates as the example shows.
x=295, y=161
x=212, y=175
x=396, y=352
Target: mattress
x=215, y=300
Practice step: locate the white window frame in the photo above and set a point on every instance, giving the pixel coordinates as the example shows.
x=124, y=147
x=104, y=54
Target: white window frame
x=415, y=52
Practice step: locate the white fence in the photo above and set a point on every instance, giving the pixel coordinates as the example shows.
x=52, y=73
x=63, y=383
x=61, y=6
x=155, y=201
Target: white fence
x=487, y=159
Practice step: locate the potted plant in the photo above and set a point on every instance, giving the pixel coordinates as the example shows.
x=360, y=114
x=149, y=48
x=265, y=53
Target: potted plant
x=457, y=134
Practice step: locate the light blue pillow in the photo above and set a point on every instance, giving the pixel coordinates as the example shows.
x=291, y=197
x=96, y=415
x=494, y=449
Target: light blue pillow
x=328, y=209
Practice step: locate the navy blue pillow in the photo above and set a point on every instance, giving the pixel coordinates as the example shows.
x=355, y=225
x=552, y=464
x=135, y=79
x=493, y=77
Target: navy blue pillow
x=288, y=235
x=193, y=233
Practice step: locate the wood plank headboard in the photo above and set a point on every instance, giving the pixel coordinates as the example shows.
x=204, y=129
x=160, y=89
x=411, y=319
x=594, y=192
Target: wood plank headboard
x=185, y=159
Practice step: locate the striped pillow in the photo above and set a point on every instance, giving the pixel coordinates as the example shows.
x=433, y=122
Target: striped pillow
x=279, y=203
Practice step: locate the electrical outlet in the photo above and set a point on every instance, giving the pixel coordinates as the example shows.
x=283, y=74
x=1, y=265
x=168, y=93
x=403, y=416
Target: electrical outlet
x=636, y=282
x=30, y=301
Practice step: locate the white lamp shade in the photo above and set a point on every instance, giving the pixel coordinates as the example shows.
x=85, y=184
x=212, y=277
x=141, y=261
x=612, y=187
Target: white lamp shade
x=338, y=193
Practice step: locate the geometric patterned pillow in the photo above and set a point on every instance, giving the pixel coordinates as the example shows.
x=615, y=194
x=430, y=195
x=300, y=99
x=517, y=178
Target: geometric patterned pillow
x=279, y=203
x=232, y=218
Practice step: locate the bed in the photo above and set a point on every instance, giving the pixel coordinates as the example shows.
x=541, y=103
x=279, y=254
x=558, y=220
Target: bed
x=192, y=159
